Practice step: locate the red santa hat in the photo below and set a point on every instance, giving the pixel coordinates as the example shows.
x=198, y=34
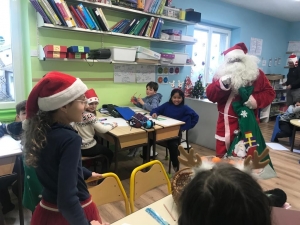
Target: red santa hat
x=293, y=59
x=53, y=91
x=91, y=96
x=235, y=51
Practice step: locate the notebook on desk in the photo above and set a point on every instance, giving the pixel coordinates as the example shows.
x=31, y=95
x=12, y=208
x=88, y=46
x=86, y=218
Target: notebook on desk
x=125, y=112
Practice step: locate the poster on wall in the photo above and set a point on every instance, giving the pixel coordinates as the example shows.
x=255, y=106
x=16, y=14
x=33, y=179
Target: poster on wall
x=256, y=46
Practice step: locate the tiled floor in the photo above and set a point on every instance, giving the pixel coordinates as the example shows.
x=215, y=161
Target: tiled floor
x=12, y=218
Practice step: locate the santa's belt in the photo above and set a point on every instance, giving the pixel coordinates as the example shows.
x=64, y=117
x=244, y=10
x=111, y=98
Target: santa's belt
x=228, y=115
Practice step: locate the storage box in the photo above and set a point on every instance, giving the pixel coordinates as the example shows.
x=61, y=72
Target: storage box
x=172, y=31
x=147, y=51
x=140, y=55
x=167, y=58
x=193, y=16
x=81, y=49
x=180, y=58
x=55, y=51
x=77, y=55
x=123, y=54
x=171, y=12
x=188, y=38
x=175, y=37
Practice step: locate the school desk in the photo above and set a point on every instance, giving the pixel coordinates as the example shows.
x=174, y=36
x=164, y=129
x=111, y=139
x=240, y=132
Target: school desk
x=126, y=137
x=9, y=155
x=280, y=216
x=142, y=217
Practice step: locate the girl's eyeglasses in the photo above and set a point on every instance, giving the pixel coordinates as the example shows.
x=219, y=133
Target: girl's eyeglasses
x=85, y=102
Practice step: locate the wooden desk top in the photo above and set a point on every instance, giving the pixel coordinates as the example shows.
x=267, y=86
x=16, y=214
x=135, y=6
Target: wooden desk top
x=295, y=122
x=142, y=217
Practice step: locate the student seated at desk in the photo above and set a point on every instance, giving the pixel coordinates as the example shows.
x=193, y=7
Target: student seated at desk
x=52, y=146
x=223, y=195
x=152, y=99
x=286, y=129
x=13, y=129
x=176, y=109
x=88, y=127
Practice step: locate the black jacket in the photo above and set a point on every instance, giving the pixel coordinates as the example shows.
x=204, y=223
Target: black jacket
x=293, y=78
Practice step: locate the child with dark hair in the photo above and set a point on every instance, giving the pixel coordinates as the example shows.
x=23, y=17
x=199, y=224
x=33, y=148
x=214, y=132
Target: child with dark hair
x=151, y=101
x=52, y=146
x=176, y=109
x=286, y=129
x=13, y=129
x=223, y=195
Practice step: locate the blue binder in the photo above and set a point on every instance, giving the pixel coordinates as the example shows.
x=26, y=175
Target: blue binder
x=125, y=112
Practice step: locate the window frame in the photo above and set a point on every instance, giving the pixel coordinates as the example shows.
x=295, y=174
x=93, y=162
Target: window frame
x=210, y=30
x=17, y=58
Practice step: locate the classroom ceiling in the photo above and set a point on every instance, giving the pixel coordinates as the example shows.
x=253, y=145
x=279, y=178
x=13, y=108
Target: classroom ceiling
x=288, y=10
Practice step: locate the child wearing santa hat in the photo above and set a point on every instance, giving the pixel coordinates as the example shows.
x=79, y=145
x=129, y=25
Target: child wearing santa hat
x=52, y=146
x=293, y=80
x=87, y=129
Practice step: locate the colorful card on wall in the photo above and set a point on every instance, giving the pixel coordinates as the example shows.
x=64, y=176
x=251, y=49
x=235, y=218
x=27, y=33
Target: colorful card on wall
x=162, y=79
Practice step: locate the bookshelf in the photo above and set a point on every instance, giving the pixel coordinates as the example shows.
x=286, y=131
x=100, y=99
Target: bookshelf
x=133, y=11
x=42, y=25
x=275, y=108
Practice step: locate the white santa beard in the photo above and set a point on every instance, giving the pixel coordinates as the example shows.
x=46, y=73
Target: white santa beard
x=242, y=73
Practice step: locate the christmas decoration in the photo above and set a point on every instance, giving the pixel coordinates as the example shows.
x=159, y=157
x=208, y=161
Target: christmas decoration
x=188, y=87
x=249, y=133
x=198, y=89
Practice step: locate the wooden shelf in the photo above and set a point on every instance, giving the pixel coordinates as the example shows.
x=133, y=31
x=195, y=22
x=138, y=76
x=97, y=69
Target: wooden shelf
x=41, y=56
x=292, y=52
x=135, y=11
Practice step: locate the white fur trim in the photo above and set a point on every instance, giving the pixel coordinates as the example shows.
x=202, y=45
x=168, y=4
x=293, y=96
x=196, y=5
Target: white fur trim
x=62, y=98
x=253, y=102
x=226, y=120
x=93, y=99
x=234, y=54
x=223, y=87
x=25, y=124
x=293, y=60
x=219, y=138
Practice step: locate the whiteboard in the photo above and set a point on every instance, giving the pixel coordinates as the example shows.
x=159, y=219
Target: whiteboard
x=294, y=46
x=145, y=73
x=124, y=73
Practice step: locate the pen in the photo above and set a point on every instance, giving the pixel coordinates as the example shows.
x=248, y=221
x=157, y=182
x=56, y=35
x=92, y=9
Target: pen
x=102, y=119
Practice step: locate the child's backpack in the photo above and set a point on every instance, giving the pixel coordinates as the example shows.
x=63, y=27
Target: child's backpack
x=138, y=120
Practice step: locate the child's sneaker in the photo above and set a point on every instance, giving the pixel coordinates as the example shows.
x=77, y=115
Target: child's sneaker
x=134, y=151
x=151, y=153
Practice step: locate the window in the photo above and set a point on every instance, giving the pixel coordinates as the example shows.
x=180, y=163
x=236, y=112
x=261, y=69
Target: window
x=11, y=64
x=207, y=51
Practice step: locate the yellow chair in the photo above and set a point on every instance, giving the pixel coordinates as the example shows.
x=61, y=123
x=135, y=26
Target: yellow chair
x=141, y=182
x=109, y=190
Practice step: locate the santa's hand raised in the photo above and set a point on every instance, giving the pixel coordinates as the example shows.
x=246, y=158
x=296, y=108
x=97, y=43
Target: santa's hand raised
x=226, y=80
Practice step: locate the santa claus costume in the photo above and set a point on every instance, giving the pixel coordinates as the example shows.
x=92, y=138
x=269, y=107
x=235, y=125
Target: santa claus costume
x=238, y=70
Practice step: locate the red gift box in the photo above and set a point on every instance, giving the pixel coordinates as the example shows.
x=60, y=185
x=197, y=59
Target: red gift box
x=76, y=55
x=55, y=51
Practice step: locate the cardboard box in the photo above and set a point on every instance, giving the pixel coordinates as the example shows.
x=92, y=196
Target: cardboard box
x=55, y=51
x=77, y=55
x=148, y=52
x=81, y=49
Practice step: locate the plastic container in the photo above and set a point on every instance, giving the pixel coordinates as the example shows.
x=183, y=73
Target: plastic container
x=123, y=54
x=180, y=58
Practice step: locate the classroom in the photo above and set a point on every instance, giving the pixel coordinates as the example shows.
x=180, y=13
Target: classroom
x=155, y=95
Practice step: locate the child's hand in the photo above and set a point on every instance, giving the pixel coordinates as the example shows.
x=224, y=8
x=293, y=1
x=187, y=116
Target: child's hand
x=94, y=174
x=133, y=100
x=115, y=124
x=154, y=115
x=94, y=222
x=141, y=101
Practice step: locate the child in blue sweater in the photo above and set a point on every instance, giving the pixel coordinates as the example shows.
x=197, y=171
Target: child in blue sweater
x=176, y=109
x=151, y=101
